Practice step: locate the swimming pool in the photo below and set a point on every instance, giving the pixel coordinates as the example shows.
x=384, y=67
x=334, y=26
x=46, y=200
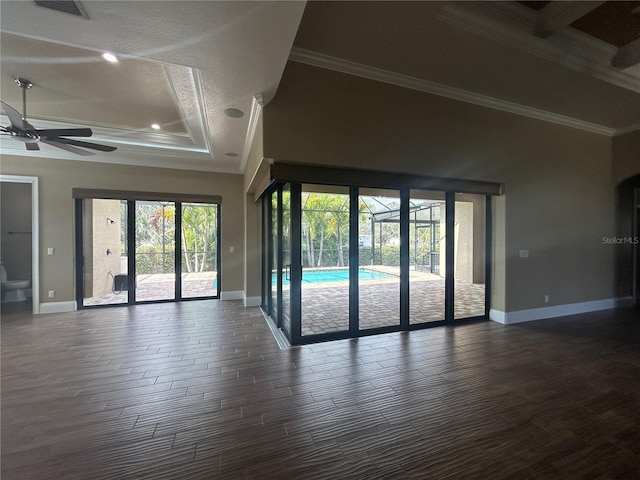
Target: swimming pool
x=334, y=275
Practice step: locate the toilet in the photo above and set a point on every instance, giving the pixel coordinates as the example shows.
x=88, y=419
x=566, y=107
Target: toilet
x=13, y=290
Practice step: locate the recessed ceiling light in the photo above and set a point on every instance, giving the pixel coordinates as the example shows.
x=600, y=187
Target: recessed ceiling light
x=233, y=112
x=155, y=126
x=231, y=154
x=110, y=57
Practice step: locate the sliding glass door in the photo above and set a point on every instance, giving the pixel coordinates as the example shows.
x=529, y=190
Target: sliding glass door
x=427, y=256
x=324, y=238
x=352, y=261
x=103, y=241
x=469, y=256
x=199, y=250
x=379, y=259
x=132, y=251
x=155, y=251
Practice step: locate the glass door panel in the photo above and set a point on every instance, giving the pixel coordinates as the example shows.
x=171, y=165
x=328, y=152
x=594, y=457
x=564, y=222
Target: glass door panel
x=104, y=237
x=285, y=271
x=325, y=259
x=379, y=253
x=155, y=251
x=427, y=227
x=199, y=250
x=469, y=256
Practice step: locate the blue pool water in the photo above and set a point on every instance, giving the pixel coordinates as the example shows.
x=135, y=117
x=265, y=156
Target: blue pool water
x=337, y=275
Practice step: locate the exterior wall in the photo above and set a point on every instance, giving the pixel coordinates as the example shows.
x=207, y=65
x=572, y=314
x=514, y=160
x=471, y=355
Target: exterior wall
x=104, y=236
x=559, y=199
x=59, y=177
x=463, y=261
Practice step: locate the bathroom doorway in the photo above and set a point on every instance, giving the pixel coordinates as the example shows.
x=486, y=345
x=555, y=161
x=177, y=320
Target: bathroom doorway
x=19, y=235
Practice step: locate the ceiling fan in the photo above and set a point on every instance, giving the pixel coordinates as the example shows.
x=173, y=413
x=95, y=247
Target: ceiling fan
x=23, y=131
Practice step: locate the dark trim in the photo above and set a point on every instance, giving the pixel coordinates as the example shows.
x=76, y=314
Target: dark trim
x=354, y=261
x=449, y=277
x=488, y=255
x=404, y=259
x=295, y=244
x=131, y=251
x=145, y=196
x=219, y=278
x=279, y=256
x=269, y=254
x=315, y=174
x=177, y=257
x=79, y=253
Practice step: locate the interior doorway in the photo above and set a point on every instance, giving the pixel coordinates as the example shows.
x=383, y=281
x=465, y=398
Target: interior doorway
x=20, y=241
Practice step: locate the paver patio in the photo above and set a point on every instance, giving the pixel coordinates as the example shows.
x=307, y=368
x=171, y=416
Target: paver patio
x=325, y=306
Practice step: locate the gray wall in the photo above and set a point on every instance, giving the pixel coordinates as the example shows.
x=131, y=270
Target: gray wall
x=560, y=196
x=57, y=178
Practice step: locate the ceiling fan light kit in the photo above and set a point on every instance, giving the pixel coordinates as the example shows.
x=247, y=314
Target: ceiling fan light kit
x=21, y=130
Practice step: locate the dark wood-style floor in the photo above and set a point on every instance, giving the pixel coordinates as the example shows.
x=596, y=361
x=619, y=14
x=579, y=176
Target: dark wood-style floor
x=200, y=390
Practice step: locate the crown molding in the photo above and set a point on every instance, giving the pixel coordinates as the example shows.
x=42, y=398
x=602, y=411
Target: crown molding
x=628, y=129
x=513, y=24
x=345, y=66
x=256, y=110
x=186, y=86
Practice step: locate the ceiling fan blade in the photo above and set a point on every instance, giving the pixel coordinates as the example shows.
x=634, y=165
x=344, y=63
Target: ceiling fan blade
x=63, y=132
x=80, y=143
x=32, y=146
x=68, y=148
x=14, y=116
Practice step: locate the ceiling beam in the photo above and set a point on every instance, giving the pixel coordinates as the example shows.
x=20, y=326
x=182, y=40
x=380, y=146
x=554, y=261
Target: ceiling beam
x=556, y=16
x=627, y=55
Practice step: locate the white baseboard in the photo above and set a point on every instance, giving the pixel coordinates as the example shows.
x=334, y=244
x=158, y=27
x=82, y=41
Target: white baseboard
x=252, y=301
x=508, y=318
x=232, y=295
x=57, y=307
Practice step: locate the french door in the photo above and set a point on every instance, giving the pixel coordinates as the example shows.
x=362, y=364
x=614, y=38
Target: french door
x=145, y=250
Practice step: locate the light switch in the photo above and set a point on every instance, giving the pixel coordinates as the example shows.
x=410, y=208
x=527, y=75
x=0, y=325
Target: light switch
x=50, y=251
x=231, y=249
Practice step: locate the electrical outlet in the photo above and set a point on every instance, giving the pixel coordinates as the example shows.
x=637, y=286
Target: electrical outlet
x=546, y=299
x=52, y=293
x=524, y=253
x=50, y=251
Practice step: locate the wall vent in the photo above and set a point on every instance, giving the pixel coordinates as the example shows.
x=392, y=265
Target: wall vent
x=70, y=7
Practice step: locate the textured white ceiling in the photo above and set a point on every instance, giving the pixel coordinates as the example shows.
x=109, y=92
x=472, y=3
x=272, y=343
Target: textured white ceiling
x=210, y=55
x=185, y=62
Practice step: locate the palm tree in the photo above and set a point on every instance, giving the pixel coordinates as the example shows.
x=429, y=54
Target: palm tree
x=199, y=236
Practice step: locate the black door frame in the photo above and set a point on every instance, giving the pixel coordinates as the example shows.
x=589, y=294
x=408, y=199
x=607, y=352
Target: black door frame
x=131, y=260
x=294, y=336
